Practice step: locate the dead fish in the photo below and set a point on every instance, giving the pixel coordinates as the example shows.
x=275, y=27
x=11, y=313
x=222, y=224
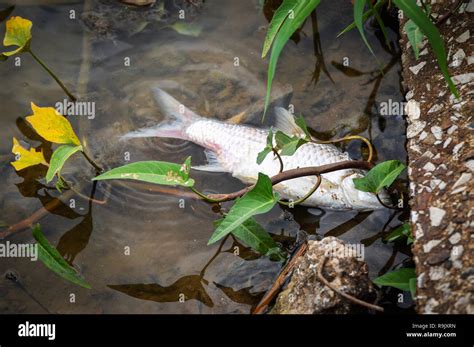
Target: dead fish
x=233, y=148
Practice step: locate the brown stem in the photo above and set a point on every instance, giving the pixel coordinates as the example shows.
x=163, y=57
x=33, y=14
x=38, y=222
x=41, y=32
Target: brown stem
x=341, y=293
x=281, y=279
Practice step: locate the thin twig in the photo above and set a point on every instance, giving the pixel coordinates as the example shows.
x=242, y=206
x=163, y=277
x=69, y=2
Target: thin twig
x=280, y=280
x=296, y=173
x=345, y=295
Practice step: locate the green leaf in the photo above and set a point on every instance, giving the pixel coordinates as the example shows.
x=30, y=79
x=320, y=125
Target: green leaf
x=400, y=232
x=412, y=286
x=277, y=20
x=302, y=10
x=398, y=279
x=158, y=172
x=302, y=124
x=419, y=17
x=365, y=16
x=288, y=145
x=268, y=148
x=260, y=199
x=54, y=261
x=188, y=29
x=59, y=157
x=380, y=176
x=255, y=236
x=415, y=36
x=359, y=6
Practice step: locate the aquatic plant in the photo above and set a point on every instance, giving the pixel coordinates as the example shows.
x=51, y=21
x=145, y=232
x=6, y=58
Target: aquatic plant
x=291, y=14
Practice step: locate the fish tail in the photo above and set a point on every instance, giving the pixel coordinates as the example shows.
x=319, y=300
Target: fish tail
x=177, y=119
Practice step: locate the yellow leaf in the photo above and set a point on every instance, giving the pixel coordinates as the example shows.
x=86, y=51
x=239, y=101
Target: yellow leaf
x=52, y=126
x=18, y=33
x=26, y=158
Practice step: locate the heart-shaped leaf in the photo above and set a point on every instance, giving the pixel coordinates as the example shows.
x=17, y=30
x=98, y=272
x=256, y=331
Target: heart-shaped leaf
x=259, y=200
x=380, y=176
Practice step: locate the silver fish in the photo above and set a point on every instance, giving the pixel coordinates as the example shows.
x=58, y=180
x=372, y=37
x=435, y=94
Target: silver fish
x=234, y=148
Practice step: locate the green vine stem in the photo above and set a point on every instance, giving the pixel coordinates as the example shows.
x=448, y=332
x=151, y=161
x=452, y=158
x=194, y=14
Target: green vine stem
x=51, y=73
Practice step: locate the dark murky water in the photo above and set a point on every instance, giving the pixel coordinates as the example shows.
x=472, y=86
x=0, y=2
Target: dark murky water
x=168, y=251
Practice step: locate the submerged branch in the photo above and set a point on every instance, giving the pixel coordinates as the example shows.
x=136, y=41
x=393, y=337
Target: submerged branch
x=281, y=279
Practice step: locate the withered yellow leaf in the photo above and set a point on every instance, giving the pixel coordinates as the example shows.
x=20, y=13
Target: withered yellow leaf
x=26, y=158
x=18, y=33
x=52, y=126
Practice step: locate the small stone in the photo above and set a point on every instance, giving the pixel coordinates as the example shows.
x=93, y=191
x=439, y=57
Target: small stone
x=409, y=95
x=470, y=164
x=465, y=177
x=436, y=215
x=458, y=58
x=458, y=147
x=415, y=69
x=435, y=108
x=429, y=167
x=415, y=128
x=456, y=253
x=412, y=110
x=463, y=37
x=438, y=257
x=437, y=132
x=452, y=129
x=430, y=245
x=447, y=142
x=436, y=273
x=455, y=238
x=464, y=78
x=425, y=51
x=423, y=135
x=470, y=6
x=470, y=60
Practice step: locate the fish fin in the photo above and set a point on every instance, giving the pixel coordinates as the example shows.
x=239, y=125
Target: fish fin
x=285, y=122
x=238, y=118
x=177, y=119
x=212, y=165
